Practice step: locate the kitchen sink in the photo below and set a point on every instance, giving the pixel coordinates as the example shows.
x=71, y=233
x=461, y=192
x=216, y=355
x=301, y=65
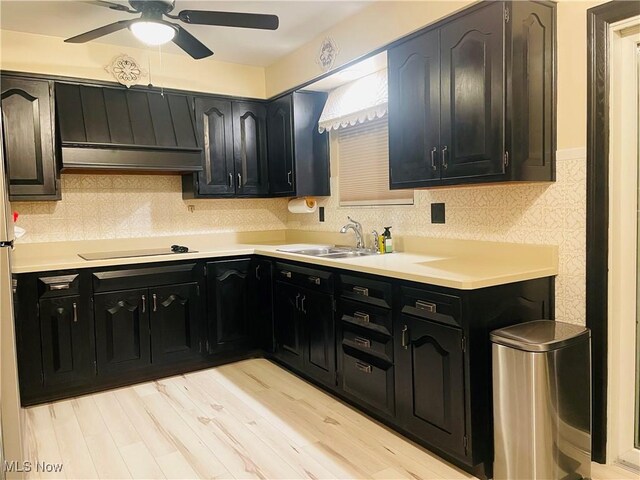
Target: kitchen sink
x=331, y=252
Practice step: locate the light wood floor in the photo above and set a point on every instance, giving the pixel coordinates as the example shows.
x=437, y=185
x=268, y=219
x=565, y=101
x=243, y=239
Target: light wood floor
x=250, y=419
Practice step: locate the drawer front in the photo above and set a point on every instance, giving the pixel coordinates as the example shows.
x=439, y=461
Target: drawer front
x=366, y=290
x=316, y=280
x=366, y=316
x=59, y=285
x=368, y=342
x=368, y=383
x=438, y=307
x=111, y=280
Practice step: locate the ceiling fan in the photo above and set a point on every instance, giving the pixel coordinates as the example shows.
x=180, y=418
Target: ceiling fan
x=152, y=29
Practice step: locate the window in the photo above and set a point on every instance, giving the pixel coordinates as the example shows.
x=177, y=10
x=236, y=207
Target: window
x=363, y=166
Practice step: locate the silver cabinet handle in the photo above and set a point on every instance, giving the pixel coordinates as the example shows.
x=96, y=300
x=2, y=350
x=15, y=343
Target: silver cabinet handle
x=231, y=180
x=75, y=312
x=155, y=302
x=445, y=153
x=428, y=306
x=239, y=180
x=405, y=343
x=144, y=303
x=297, y=300
x=363, y=342
x=59, y=286
x=289, y=174
x=361, y=291
x=315, y=280
x=363, y=317
x=286, y=273
x=434, y=167
x=363, y=367
x=258, y=272
x=302, y=304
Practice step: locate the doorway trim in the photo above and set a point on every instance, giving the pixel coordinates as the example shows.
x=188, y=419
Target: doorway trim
x=599, y=20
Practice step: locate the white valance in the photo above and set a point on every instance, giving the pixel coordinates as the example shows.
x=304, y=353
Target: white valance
x=355, y=102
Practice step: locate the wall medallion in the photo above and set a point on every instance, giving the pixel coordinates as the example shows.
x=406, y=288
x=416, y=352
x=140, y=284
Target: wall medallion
x=327, y=54
x=126, y=70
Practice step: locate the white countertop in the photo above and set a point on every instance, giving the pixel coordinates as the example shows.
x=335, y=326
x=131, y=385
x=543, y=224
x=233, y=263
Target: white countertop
x=457, y=264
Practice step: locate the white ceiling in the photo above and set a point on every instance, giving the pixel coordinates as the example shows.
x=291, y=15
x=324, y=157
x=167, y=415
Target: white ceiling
x=300, y=22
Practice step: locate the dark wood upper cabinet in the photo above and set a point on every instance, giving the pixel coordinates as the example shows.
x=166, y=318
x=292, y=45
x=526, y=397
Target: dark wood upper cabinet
x=496, y=111
x=175, y=320
x=234, y=158
x=298, y=152
x=414, y=112
x=472, y=95
x=29, y=138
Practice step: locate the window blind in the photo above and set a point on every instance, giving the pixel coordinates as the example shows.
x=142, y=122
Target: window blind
x=363, y=166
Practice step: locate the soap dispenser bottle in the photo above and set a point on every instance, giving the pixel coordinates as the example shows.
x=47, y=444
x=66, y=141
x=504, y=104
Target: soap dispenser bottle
x=388, y=241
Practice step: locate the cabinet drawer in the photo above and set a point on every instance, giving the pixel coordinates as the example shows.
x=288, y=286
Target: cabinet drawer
x=366, y=316
x=435, y=306
x=111, y=280
x=369, y=342
x=59, y=285
x=317, y=280
x=369, y=383
x=366, y=290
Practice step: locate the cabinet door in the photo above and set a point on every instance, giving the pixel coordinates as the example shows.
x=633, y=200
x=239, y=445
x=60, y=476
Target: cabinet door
x=430, y=382
x=319, y=335
x=414, y=112
x=122, y=331
x=472, y=102
x=250, y=148
x=215, y=130
x=280, y=145
x=175, y=318
x=228, y=304
x=287, y=325
x=29, y=139
x=261, y=303
x=67, y=341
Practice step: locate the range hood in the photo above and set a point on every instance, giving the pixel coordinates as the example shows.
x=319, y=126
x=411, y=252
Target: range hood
x=110, y=128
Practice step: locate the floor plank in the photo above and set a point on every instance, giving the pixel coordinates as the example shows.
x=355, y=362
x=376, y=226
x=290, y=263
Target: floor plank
x=250, y=419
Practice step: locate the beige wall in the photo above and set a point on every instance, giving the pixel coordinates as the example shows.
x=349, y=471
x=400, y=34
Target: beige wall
x=26, y=52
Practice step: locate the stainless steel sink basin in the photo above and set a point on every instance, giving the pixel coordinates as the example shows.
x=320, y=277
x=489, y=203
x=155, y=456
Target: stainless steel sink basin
x=332, y=252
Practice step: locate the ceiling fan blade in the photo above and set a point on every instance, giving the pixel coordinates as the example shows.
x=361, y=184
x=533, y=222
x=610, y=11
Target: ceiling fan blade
x=100, y=32
x=230, y=19
x=190, y=44
x=111, y=5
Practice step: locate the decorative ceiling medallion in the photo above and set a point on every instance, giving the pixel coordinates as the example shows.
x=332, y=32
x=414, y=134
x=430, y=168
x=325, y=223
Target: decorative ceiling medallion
x=126, y=70
x=327, y=54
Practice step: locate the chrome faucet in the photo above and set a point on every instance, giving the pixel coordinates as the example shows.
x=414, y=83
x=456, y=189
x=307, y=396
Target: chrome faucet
x=357, y=229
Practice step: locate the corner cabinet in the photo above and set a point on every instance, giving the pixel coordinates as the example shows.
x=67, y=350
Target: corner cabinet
x=233, y=135
x=472, y=99
x=29, y=140
x=298, y=152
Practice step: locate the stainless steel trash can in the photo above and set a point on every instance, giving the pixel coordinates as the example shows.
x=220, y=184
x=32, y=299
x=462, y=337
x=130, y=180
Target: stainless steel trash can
x=542, y=401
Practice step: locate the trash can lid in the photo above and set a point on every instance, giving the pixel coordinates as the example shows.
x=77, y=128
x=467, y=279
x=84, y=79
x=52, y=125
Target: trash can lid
x=540, y=335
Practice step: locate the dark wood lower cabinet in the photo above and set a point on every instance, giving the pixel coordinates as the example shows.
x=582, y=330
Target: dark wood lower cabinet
x=288, y=325
x=66, y=331
x=122, y=331
x=430, y=382
x=175, y=323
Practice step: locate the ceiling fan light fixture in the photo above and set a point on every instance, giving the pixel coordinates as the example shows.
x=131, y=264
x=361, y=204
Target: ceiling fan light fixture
x=153, y=32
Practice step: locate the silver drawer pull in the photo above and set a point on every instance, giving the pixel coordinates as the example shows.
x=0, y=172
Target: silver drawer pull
x=75, y=312
x=144, y=303
x=363, y=317
x=59, y=286
x=363, y=367
x=428, y=306
x=363, y=342
x=361, y=291
x=155, y=302
x=315, y=280
x=286, y=273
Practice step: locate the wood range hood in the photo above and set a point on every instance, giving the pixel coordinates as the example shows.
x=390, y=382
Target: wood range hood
x=111, y=128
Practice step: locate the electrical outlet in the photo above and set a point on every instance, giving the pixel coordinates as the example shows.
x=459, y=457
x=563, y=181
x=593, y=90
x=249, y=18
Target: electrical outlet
x=437, y=213
x=321, y=214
